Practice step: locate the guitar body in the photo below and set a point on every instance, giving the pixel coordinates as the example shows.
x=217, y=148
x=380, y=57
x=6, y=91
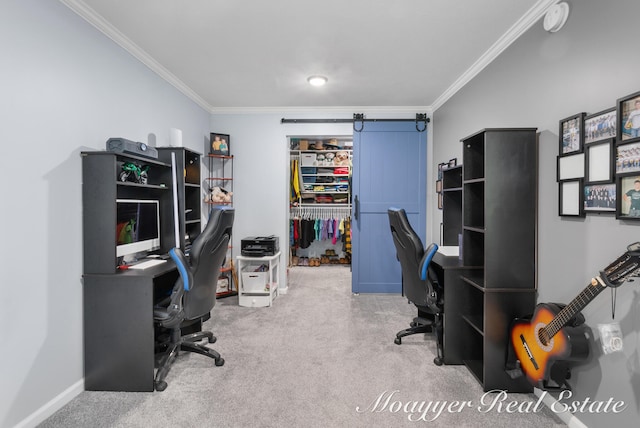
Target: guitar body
x=555, y=333
x=536, y=357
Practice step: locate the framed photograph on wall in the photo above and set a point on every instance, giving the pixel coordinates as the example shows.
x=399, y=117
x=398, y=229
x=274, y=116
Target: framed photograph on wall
x=219, y=144
x=570, y=167
x=600, y=197
x=571, y=134
x=571, y=198
x=599, y=162
x=600, y=126
x=628, y=158
x=628, y=110
x=628, y=191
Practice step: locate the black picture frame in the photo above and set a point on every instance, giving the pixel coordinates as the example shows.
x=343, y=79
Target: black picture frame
x=570, y=167
x=600, y=198
x=628, y=111
x=571, y=134
x=219, y=144
x=571, y=198
x=625, y=207
x=599, y=162
x=627, y=158
x=600, y=126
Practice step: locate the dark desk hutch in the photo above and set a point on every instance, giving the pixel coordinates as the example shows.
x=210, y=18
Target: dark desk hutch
x=451, y=205
x=117, y=301
x=189, y=191
x=499, y=232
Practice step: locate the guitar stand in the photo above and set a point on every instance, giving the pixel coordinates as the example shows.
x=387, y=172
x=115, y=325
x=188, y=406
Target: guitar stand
x=558, y=377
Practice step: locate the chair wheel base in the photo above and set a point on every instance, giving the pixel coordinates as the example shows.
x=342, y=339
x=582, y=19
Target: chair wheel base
x=160, y=386
x=437, y=361
x=219, y=362
x=397, y=341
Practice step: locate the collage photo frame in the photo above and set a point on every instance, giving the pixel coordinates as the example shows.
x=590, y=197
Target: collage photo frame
x=598, y=163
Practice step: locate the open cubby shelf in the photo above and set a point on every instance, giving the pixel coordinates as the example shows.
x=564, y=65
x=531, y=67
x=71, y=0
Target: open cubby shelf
x=498, y=237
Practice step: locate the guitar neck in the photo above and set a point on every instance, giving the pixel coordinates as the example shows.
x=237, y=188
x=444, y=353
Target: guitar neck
x=575, y=306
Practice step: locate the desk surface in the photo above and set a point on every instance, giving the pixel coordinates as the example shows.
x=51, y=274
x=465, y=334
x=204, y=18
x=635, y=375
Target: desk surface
x=152, y=272
x=449, y=262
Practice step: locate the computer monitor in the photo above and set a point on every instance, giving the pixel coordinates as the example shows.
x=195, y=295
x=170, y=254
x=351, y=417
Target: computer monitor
x=137, y=226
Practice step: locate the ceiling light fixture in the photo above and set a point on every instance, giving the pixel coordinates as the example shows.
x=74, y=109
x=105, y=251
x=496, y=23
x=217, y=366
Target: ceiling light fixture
x=317, y=80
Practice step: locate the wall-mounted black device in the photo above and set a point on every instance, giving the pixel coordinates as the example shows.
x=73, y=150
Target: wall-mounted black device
x=131, y=147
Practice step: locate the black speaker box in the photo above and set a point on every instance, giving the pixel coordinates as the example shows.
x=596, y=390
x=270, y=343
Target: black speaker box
x=123, y=145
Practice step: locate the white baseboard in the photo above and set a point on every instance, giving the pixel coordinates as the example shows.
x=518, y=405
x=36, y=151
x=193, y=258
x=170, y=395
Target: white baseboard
x=568, y=418
x=52, y=406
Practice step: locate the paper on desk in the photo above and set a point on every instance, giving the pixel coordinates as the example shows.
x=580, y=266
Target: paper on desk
x=449, y=251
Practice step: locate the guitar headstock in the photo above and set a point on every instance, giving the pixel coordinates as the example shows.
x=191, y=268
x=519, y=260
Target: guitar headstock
x=625, y=267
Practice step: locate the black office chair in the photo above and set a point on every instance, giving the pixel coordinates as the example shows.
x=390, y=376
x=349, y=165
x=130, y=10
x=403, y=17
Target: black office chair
x=419, y=281
x=194, y=293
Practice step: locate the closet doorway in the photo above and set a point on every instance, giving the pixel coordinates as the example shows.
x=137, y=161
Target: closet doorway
x=320, y=201
x=340, y=191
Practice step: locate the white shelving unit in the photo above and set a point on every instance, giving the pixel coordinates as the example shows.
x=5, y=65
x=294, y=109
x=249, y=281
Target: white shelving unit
x=325, y=173
x=258, y=288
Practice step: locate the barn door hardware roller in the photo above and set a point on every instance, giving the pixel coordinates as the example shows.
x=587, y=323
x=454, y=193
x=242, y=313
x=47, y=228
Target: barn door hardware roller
x=359, y=120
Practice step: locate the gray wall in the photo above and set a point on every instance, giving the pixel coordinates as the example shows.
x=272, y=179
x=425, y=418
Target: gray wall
x=261, y=172
x=539, y=80
x=65, y=88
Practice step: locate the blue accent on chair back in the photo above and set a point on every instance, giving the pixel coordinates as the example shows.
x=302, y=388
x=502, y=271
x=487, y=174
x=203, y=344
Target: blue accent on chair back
x=182, y=269
x=429, y=253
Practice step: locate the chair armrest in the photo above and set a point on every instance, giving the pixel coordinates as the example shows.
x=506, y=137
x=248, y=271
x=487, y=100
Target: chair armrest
x=183, y=267
x=426, y=260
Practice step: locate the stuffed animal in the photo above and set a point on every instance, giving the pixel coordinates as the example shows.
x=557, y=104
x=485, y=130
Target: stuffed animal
x=218, y=195
x=342, y=158
x=329, y=157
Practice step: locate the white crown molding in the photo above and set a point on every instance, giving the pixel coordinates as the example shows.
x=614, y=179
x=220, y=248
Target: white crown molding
x=328, y=110
x=92, y=17
x=523, y=24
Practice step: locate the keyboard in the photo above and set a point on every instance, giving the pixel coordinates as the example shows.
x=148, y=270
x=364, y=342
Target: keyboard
x=147, y=264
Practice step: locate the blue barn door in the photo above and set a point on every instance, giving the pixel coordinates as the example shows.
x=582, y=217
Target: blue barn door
x=389, y=169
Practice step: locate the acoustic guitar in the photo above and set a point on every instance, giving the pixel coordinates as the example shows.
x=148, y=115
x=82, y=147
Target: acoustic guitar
x=540, y=342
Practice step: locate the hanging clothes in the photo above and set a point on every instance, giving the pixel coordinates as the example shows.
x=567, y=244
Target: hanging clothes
x=295, y=181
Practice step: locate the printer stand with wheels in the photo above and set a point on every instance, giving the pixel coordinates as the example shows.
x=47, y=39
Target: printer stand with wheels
x=259, y=277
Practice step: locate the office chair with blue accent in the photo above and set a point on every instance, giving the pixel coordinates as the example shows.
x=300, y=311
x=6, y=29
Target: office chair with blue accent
x=419, y=281
x=194, y=293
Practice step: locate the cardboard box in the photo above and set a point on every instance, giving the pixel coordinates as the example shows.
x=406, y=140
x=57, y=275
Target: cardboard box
x=307, y=159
